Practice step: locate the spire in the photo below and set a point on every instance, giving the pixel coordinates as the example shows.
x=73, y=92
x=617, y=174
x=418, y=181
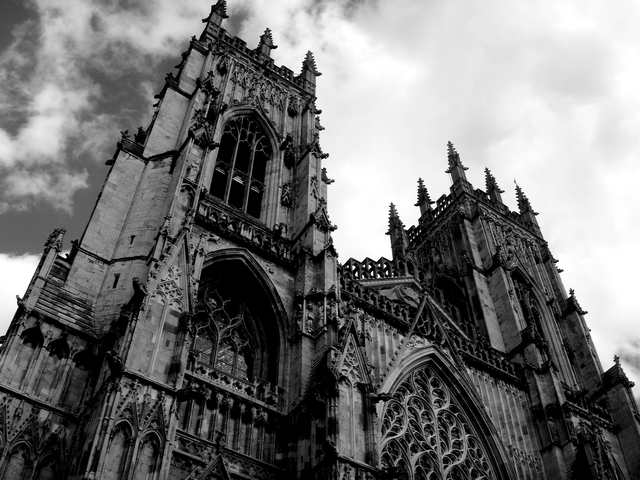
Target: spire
x=309, y=72
x=265, y=45
x=214, y=20
x=424, y=200
x=394, y=219
x=526, y=212
x=55, y=240
x=456, y=169
x=523, y=202
x=493, y=190
x=397, y=233
x=218, y=13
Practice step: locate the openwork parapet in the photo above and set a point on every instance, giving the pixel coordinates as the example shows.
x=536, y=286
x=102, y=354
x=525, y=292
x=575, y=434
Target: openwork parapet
x=235, y=226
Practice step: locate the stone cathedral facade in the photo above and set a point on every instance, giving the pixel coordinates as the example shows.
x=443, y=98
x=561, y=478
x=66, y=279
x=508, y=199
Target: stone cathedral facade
x=203, y=328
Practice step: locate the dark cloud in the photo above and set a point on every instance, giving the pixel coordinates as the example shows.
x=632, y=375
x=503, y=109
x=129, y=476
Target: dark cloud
x=238, y=16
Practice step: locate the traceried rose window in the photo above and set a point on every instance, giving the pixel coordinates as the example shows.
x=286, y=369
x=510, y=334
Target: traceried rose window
x=222, y=340
x=426, y=434
x=238, y=178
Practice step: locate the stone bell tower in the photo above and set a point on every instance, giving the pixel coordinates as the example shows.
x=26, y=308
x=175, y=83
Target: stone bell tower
x=176, y=336
x=492, y=273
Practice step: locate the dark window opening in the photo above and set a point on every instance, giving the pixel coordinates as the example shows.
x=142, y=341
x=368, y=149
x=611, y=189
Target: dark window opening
x=238, y=178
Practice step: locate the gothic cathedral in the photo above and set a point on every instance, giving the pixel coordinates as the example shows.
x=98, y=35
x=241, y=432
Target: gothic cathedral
x=202, y=328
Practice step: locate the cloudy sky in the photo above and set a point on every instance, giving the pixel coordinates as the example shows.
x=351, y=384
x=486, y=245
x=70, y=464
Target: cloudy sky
x=543, y=92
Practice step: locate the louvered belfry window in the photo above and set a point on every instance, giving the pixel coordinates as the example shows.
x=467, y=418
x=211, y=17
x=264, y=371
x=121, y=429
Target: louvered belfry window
x=238, y=178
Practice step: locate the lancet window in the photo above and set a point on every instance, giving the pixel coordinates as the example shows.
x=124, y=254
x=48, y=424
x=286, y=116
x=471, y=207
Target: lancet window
x=453, y=301
x=239, y=175
x=223, y=341
x=426, y=434
x=528, y=302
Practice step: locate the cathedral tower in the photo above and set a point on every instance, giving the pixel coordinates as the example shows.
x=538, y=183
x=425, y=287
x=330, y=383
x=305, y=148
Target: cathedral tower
x=202, y=327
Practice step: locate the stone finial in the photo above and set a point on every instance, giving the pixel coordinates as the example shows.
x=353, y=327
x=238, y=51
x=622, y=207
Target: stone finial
x=309, y=65
x=456, y=169
x=218, y=13
x=214, y=21
x=523, y=201
x=492, y=188
x=397, y=234
x=572, y=303
x=454, y=158
x=55, y=240
x=265, y=45
x=309, y=73
x=424, y=200
x=394, y=219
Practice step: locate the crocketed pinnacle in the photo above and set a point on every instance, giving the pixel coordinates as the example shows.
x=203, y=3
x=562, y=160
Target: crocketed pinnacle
x=492, y=185
x=309, y=64
x=454, y=158
x=423, y=195
x=394, y=220
x=219, y=9
x=266, y=40
x=523, y=201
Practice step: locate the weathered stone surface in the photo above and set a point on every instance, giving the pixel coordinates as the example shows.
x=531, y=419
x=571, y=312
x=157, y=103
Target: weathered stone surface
x=203, y=328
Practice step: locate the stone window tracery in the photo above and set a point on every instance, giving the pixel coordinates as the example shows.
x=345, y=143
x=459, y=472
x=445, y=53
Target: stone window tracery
x=427, y=435
x=453, y=301
x=222, y=340
x=239, y=175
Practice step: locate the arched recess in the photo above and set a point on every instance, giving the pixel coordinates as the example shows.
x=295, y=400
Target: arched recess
x=541, y=326
x=435, y=427
x=251, y=324
x=148, y=458
x=118, y=452
x=18, y=463
x=453, y=299
x=48, y=467
x=224, y=176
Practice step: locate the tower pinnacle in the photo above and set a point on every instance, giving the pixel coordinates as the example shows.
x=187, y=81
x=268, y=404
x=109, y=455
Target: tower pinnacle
x=526, y=212
x=266, y=43
x=399, y=242
x=214, y=20
x=424, y=200
x=492, y=188
x=309, y=72
x=456, y=169
x=523, y=202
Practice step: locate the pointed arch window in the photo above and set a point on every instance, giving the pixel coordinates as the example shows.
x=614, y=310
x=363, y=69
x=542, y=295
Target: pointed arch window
x=426, y=434
x=223, y=342
x=238, y=178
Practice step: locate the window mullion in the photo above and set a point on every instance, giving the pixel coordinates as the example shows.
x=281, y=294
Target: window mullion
x=245, y=201
x=232, y=166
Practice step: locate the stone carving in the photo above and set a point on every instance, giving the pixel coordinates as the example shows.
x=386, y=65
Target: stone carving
x=286, y=195
x=426, y=434
x=351, y=364
x=260, y=88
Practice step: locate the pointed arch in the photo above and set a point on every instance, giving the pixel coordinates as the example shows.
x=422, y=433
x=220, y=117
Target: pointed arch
x=435, y=422
x=118, y=451
x=354, y=387
x=236, y=275
x=48, y=467
x=18, y=461
x=451, y=296
x=240, y=176
x=148, y=457
x=249, y=110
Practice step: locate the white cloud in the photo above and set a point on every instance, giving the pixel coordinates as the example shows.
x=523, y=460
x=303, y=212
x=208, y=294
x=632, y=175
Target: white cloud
x=16, y=275
x=542, y=91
